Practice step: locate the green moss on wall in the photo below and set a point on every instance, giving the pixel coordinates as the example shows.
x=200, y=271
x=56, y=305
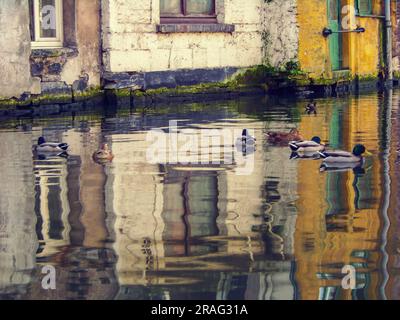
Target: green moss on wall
x=368, y=77
x=216, y=87
x=52, y=98
x=92, y=92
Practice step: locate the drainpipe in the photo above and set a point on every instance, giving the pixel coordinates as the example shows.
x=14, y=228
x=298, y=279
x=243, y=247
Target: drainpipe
x=389, y=53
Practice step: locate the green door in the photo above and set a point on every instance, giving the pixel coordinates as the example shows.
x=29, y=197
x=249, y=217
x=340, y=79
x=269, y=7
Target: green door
x=335, y=39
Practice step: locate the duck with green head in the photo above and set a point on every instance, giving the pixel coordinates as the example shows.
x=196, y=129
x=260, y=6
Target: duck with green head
x=339, y=156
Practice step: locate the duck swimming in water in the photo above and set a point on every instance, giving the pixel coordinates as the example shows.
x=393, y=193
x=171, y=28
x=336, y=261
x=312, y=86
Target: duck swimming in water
x=312, y=146
x=346, y=157
x=284, y=137
x=246, y=138
x=104, y=154
x=311, y=108
x=246, y=144
x=55, y=147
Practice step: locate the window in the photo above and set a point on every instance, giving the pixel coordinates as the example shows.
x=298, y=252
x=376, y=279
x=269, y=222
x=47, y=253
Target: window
x=364, y=7
x=188, y=11
x=46, y=23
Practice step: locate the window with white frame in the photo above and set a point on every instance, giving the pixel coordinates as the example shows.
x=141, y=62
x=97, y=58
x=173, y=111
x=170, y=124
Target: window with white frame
x=46, y=23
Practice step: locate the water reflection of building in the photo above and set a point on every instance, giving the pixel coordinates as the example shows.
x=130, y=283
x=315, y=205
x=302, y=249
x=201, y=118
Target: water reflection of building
x=18, y=241
x=339, y=223
x=280, y=194
x=56, y=204
x=137, y=205
x=392, y=290
x=193, y=232
x=70, y=206
x=179, y=232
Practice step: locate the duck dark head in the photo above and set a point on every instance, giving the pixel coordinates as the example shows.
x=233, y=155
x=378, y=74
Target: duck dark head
x=359, y=150
x=316, y=139
x=41, y=140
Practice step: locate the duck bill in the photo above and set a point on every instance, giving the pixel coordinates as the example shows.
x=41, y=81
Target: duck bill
x=368, y=154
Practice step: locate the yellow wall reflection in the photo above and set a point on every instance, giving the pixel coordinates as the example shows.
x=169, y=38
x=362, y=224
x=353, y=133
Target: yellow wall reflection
x=338, y=221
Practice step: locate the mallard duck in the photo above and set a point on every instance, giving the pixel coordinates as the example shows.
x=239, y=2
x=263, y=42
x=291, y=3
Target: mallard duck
x=284, y=137
x=55, y=147
x=311, y=108
x=339, y=156
x=312, y=146
x=104, y=154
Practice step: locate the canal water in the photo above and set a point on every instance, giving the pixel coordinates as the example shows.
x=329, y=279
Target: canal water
x=140, y=229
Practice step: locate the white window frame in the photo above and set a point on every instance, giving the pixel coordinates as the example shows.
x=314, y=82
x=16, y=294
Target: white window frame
x=56, y=42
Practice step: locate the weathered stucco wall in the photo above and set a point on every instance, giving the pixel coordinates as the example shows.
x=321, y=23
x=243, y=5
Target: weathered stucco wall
x=131, y=41
x=74, y=67
x=313, y=48
x=280, y=32
x=367, y=49
x=15, y=48
x=88, y=61
x=78, y=64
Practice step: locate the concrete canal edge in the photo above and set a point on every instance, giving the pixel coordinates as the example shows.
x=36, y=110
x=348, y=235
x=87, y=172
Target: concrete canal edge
x=153, y=88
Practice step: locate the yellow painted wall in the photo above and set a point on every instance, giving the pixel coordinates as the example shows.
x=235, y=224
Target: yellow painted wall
x=361, y=51
x=313, y=47
x=392, y=247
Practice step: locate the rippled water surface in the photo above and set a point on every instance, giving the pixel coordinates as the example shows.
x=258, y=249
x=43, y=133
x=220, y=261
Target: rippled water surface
x=132, y=229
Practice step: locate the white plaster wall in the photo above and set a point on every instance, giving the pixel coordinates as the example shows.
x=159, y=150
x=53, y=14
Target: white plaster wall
x=131, y=42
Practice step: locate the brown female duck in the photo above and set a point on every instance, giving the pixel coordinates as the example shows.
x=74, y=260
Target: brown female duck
x=284, y=137
x=103, y=155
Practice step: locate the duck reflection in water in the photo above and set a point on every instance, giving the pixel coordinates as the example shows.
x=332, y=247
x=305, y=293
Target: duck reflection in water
x=306, y=156
x=51, y=155
x=357, y=168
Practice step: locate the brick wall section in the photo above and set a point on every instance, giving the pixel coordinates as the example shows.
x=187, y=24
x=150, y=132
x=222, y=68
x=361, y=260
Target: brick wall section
x=132, y=43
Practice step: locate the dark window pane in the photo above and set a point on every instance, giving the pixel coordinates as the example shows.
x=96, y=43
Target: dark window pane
x=170, y=7
x=200, y=6
x=48, y=24
x=364, y=7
